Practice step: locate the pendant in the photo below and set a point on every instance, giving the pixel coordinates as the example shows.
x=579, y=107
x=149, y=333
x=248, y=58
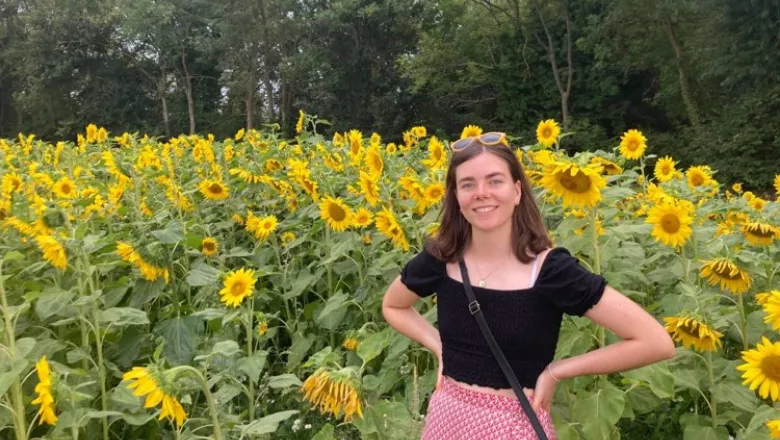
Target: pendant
x=482, y=283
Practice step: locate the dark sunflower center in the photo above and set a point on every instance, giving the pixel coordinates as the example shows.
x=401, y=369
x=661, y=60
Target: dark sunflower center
x=336, y=212
x=237, y=288
x=691, y=329
x=666, y=169
x=632, y=145
x=578, y=183
x=770, y=366
x=215, y=188
x=697, y=179
x=546, y=133
x=394, y=230
x=208, y=246
x=65, y=188
x=267, y=224
x=760, y=231
x=670, y=223
x=725, y=272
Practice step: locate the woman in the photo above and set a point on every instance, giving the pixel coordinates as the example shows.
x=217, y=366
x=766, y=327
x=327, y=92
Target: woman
x=490, y=219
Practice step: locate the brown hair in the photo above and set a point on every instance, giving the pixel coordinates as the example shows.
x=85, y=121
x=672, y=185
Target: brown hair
x=529, y=235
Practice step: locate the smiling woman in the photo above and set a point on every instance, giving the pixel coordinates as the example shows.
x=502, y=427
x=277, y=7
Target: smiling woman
x=492, y=227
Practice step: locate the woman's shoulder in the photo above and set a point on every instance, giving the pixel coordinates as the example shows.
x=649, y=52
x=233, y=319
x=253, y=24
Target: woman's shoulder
x=423, y=272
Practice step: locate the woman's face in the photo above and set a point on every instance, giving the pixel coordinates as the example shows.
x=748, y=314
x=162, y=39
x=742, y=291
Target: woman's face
x=486, y=193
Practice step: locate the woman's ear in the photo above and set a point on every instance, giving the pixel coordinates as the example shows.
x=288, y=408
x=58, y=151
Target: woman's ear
x=519, y=190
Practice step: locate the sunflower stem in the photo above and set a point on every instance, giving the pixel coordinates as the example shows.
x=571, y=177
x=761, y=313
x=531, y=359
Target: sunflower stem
x=204, y=385
x=713, y=401
x=84, y=266
x=101, y=368
x=594, y=227
x=249, y=348
x=743, y=322
x=16, y=388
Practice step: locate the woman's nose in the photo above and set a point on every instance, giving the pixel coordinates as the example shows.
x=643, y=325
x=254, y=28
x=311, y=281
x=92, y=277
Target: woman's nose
x=482, y=189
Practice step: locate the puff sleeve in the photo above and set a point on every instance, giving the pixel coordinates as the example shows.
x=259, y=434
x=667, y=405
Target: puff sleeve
x=423, y=273
x=570, y=287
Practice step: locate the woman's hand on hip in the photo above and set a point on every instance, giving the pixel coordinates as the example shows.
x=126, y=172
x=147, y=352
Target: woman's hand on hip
x=544, y=392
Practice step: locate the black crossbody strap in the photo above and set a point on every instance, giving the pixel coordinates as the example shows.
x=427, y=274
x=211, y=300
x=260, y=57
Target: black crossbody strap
x=502, y=361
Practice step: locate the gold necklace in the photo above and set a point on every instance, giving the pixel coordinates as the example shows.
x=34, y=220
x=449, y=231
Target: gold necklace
x=483, y=280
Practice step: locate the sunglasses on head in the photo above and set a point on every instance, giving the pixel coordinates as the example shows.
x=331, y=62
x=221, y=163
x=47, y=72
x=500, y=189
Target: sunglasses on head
x=487, y=139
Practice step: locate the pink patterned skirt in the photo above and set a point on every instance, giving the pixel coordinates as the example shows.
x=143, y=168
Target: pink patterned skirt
x=456, y=413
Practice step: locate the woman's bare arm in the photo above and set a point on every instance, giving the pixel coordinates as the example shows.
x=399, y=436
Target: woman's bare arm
x=644, y=340
x=399, y=313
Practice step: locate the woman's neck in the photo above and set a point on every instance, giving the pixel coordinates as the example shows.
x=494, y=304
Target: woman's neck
x=491, y=245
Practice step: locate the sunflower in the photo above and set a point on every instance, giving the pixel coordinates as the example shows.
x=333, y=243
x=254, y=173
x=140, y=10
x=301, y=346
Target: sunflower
x=693, y=333
x=336, y=213
x=774, y=428
x=609, y=167
x=772, y=310
x=273, y=165
x=547, y=132
x=698, y=176
x=762, y=369
x=355, y=139
x=672, y=223
x=261, y=227
x=757, y=203
x=726, y=273
x=11, y=183
x=391, y=148
x=434, y=193
x=419, y=131
x=387, y=225
x=632, y=144
x=208, y=246
x=748, y=195
x=437, y=155
x=287, y=238
x=777, y=184
x=333, y=392
x=579, y=186
x=470, y=131
x=262, y=328
x=53, y=251
x=764, y=297
x=213, y=190
x=45, y=398
x=760, y=234
x=145, y=382
x=374, y=161
x=238, y=285
x=664, y=169
x=362, y=218
x=299, y=124
x=351, y=344
x=64, y=188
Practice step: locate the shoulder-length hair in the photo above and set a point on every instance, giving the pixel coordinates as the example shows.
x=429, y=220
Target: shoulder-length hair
x=529, y=235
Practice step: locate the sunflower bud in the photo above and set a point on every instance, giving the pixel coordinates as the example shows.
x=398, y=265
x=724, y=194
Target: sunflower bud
x=53, y=218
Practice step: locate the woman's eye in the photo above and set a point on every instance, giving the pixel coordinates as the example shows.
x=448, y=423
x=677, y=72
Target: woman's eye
x=495, y=182
x=467, y=186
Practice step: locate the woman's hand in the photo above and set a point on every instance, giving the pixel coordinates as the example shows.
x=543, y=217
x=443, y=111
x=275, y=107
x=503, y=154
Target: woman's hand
x=544, y=391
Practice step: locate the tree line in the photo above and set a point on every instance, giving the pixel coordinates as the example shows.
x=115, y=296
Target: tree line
x=698, y=77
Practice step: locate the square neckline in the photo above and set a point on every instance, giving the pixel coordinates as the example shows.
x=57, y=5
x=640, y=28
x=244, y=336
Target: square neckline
x=504, y=291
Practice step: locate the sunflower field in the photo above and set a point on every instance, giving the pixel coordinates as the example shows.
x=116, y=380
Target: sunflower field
x=199, y=288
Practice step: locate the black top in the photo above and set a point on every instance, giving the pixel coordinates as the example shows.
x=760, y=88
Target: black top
x=525, y=322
